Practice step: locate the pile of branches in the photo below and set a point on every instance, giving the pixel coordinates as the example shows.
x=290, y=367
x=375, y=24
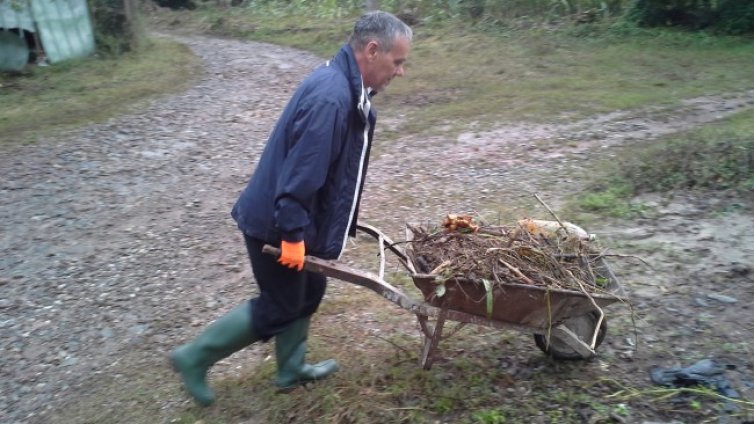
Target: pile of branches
x=506, y=254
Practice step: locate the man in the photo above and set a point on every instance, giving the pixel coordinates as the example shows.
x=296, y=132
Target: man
x=304, y=197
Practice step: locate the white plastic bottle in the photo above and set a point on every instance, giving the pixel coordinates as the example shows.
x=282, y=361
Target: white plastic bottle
x=553, y=228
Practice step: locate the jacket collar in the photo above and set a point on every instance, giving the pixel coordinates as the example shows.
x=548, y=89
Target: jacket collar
x=345, y=60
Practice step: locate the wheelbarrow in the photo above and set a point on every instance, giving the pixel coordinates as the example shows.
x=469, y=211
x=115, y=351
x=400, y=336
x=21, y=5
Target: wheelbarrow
x=566, y=324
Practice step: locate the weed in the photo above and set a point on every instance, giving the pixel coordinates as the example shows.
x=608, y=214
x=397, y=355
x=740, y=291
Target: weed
x=489, y=416
x=613, y=201
x=621, y=410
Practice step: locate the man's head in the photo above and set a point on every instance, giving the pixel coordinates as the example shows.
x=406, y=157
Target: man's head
x=381, y=43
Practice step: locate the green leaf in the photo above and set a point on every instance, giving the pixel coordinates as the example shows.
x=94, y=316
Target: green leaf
x=488, y=289
x=440, y=290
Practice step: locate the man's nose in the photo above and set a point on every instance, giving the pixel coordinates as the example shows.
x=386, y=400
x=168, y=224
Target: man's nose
x=400, y=71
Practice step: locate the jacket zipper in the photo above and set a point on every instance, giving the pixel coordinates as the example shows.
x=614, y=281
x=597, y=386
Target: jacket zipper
x=364, y=106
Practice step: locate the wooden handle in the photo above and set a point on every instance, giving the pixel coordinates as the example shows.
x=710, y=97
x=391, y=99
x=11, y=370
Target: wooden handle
x=271, y=250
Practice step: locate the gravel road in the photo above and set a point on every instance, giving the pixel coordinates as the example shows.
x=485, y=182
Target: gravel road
x=109, y=230
x=117, y=237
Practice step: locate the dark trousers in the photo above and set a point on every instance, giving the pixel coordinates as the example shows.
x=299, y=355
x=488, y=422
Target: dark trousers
x=285, y=294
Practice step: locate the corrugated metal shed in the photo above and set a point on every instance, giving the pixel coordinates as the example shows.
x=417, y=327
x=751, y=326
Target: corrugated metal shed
x=63, y=27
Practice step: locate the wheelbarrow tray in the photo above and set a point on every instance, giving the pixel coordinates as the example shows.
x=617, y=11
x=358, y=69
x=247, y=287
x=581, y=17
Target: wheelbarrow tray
x=519, y=304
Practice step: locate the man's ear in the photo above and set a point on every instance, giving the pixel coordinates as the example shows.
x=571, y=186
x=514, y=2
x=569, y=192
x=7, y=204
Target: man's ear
x=372, y=49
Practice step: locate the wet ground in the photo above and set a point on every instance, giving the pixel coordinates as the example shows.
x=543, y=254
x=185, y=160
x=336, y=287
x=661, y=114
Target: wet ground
x=117, y=238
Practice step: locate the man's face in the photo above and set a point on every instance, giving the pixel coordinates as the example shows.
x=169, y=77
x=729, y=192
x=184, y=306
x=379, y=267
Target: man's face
x=381, y=66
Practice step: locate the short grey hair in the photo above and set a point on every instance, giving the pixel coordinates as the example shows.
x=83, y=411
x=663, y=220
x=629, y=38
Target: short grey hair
x=379, y=26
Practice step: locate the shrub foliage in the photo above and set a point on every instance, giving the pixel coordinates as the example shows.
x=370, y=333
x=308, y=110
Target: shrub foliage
x=725, y=16
x=114, y=26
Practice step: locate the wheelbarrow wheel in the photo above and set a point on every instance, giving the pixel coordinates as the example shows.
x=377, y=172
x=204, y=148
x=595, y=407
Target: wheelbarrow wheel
x=583, y=326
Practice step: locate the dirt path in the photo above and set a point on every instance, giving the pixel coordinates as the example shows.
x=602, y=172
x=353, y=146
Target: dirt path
x=115, y=238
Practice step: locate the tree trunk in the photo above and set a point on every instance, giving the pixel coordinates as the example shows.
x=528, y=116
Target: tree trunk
x=129, y=9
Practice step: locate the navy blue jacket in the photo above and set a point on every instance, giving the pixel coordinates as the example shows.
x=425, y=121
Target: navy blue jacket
x=308, y=182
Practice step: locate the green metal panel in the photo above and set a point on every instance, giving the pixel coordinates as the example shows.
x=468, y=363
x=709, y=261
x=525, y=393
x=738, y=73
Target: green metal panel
x=64, y=28
x=16, y=14
x=13, y=52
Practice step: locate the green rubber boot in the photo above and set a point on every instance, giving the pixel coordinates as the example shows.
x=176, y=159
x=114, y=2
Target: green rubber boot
x=228, y=334
x=290, y=350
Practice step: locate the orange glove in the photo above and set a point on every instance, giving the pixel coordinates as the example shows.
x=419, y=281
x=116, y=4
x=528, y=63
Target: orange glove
x=292, y=254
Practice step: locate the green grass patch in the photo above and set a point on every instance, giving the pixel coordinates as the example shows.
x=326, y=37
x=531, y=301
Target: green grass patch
x=716, y=157
x=459, y=74
x=44, y=100
x=468, y=389
x=484, y=376
x=464, y=77
x=612, y=200
x=313, y=32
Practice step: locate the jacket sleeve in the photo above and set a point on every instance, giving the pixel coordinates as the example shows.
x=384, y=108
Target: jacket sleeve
x=316, y=136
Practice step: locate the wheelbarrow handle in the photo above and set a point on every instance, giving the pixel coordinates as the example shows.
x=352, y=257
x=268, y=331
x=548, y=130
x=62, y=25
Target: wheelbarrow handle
x=335, y=269
x=340, y=271
x=271, y=250
x=387, y=243
x=370, y=230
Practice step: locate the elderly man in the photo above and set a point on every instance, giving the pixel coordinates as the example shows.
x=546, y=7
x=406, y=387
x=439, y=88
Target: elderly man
x=304, y=197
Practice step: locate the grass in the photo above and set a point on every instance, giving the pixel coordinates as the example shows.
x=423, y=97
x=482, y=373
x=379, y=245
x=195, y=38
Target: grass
x=480, y=378
x=458, y=76
x=717, y=157
x=46, y=100
x=379, y=383
x=542, y=77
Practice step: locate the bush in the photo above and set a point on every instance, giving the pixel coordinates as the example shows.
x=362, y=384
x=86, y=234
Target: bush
x=724, y=16
x=693, y=14
x=736, y=17
x=176, y=4
x=114, y=32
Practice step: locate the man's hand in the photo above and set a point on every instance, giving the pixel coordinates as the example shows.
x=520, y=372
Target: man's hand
x=292, y=254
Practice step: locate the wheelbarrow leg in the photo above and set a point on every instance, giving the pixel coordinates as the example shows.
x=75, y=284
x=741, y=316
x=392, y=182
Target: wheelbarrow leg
x=432, y=337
